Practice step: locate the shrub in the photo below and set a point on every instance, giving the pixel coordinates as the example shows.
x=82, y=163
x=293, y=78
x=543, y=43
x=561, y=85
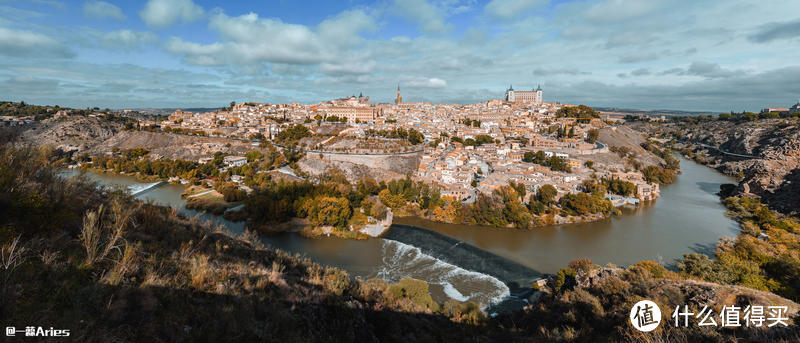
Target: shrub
x=565, y=278
x=697, y=265
x=656, y=270
x=414, y=290
x=582, y=265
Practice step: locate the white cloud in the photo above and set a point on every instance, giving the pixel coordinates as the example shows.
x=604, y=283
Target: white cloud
x=102, y=10
x=429, y=17
x=19, y=43
x=127, y=39
x=164, y=13
x=347, y=68
x=248, y=40
x=427, y=83
x=617, y=10
x=511, y=9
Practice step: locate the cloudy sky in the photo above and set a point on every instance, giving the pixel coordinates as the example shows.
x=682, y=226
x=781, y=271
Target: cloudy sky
x=716, y=55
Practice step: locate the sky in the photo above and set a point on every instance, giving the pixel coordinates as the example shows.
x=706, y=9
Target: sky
x=709, y=55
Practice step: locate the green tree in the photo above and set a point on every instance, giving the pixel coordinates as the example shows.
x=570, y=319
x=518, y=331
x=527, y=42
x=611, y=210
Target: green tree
x=327, y=210
x=546, y=194
x=414, y=137
x=592, y=135
x=293, y=134
x=254, y=155
x=528, y=156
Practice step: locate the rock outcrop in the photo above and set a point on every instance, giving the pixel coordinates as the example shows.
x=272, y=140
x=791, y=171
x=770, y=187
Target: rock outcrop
x=763, y=154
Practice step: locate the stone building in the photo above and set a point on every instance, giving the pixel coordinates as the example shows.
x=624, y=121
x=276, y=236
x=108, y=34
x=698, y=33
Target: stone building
x=533, y=96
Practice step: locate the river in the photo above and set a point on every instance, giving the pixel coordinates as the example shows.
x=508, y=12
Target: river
x=687, y=218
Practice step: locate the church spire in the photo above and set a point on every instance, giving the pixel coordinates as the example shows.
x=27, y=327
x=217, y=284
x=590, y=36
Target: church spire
x=399, y=98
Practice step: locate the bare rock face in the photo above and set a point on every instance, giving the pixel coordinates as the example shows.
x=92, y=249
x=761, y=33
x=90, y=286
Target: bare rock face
x=353, y=171
x=772, y=170
x=71, y=133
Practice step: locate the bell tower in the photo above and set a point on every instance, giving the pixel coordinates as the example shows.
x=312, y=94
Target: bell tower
x=399, y=99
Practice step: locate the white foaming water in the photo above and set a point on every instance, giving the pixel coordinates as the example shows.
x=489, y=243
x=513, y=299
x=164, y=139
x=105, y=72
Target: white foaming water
x=452, y=292
x=402, y=260
x=141, y=187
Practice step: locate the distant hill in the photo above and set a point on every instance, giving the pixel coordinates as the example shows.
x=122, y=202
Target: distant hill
x=654, y=112
x=167, y=111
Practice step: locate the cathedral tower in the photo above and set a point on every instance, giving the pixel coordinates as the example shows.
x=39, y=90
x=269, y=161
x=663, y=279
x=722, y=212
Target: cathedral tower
x=399, y=99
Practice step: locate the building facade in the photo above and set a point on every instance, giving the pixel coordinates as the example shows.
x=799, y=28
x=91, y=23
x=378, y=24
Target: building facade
x=353, y=113
x=533, y=96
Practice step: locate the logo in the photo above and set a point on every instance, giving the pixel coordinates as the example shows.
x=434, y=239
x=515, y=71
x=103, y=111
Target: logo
x=36, y=331
x=645, y=316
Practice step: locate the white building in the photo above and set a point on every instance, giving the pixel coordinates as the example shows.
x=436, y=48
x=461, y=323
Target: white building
x=533, y=96
x=235, y=161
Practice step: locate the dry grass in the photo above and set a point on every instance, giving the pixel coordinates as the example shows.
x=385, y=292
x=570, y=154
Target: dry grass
x=127, y=265
x=100, y=234
x=199, y=271
x=49, y=258
x=12, y=255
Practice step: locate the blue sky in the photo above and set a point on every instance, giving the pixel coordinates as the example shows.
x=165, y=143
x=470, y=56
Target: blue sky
x=716, y=55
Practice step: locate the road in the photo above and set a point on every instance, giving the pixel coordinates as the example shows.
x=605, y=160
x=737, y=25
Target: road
x=726, y=152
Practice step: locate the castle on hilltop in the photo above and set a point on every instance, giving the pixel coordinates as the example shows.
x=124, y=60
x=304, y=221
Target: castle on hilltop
x=533, y=96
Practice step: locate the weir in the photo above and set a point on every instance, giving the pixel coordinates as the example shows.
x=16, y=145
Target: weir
x=142, y=188
x=517, y=277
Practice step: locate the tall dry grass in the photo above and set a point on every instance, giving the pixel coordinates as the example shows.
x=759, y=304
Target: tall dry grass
x=101, y=233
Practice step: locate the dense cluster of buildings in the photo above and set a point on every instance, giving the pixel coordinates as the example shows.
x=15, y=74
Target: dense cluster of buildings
x=468, y=149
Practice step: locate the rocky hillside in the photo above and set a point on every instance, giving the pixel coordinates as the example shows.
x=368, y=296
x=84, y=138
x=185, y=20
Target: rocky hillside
x=97, y=136
x=172, y=146
x=585, y=302
x=763, y=154
x=71, y=133
x=622, y=136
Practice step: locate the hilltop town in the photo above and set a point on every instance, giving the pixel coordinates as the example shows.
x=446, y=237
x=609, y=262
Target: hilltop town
x=467, y=149
x=463, y=151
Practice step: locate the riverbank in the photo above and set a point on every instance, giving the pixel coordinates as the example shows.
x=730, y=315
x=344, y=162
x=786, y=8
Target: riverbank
x=316, y=232
x=687, y=218
x=137, y=176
